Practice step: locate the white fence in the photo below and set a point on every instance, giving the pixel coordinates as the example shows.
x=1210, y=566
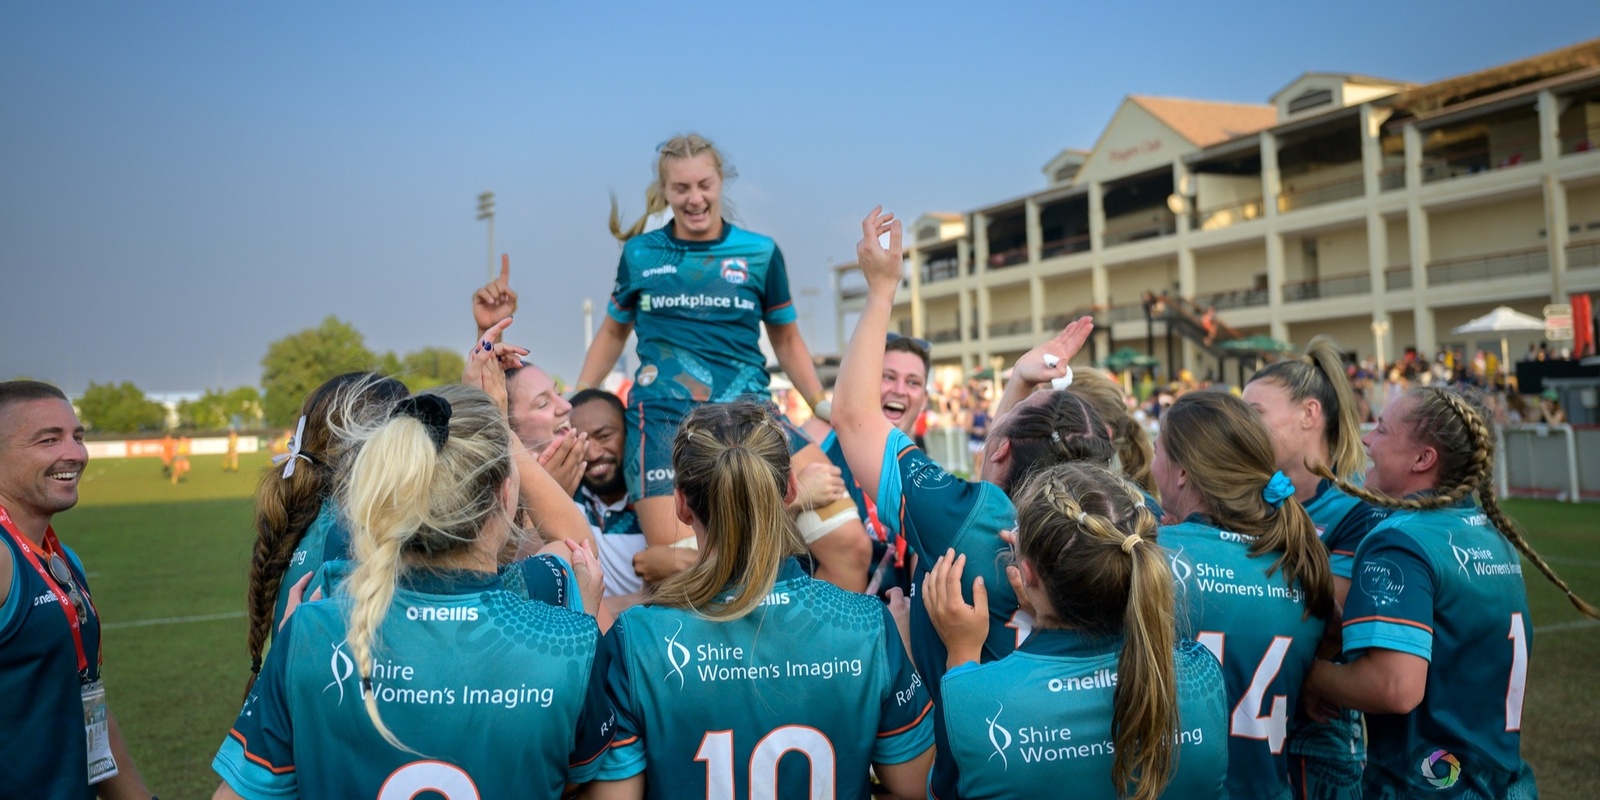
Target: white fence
x=144, y=448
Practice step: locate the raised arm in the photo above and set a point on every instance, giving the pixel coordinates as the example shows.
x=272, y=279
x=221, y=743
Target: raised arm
x=858, y=418
x=603, y=352
x=1045, y=363
x=795, y=359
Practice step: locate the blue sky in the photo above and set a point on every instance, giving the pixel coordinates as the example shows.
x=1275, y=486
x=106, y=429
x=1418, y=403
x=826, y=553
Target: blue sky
x=182, y=183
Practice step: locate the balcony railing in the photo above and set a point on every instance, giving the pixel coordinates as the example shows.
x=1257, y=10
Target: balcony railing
x=1392, y=178
x=1127, y=312
x=1498, y=154
x=1397, y=278
x=943, y=269
x=1482, y=268
x=1230, y=214
x=1233, y=298
x=1584, y=141
x=946, y=335
x=1305, y=194
x=1152, y=230
x=1064, y=246
x=1583, y=255
x=1008, y=258
x=998, y=329
x=1342, y=286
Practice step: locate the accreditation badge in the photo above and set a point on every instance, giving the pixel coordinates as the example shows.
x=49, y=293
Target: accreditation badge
x=97, y=729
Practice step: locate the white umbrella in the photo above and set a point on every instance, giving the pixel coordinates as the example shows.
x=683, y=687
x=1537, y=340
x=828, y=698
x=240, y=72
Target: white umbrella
x=1501, y=320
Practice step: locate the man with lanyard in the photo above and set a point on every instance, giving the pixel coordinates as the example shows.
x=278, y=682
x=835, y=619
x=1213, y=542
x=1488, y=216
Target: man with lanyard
x=61, y=740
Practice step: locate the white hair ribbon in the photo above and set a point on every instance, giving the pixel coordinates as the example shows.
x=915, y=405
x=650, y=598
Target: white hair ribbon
x=288, y=459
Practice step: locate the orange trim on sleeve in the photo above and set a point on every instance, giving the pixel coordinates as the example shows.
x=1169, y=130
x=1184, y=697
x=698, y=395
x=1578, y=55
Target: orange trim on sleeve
x=1375, y=618
x=625, y=742
x=784, y=304
x=1344, y=553
x=912, y=724
x=234, y=732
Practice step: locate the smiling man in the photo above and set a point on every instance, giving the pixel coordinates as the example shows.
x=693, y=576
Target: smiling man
x=604, y=491
x=62, y=740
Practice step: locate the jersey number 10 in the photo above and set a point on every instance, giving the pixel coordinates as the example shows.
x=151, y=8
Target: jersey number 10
x=1247, y=721
x=716, y=749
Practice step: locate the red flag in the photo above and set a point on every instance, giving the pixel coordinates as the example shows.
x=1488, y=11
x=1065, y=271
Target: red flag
x=1582, y=326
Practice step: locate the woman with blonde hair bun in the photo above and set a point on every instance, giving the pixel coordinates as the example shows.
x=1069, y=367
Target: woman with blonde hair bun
x=422, y=673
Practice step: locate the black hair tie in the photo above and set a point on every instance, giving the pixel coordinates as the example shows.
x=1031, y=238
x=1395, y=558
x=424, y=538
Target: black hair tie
x=432, y=411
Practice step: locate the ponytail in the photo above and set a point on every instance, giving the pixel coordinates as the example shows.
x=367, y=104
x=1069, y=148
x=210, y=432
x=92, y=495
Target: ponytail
x=1458, y=427
x=732, y=466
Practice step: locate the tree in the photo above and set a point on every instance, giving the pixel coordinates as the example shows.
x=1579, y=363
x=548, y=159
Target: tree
x=424, y=369
x=217, y=409
x=298, y=363
x=120, y=408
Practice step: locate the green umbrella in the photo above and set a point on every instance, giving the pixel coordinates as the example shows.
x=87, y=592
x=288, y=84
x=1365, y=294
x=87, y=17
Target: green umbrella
x=1127, y=357
x=1259, y=343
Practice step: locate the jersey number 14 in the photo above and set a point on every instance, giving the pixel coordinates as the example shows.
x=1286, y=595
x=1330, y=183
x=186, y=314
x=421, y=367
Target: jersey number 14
x=1247, y=721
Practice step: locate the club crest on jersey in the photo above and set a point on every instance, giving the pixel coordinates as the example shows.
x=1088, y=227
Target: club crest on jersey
x=735, y=271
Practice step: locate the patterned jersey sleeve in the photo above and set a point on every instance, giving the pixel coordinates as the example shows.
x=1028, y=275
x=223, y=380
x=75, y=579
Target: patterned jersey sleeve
x=257, y=757
x=547, y=578
x=777, y=307
x=1390, y=605
x=624, y=304
x=597, y=723
x=905, y=722
x=918, y=498
x=624, y=758
x=1345, y=537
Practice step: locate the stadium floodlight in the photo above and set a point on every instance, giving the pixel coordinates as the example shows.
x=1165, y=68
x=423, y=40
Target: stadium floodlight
x=486, y=211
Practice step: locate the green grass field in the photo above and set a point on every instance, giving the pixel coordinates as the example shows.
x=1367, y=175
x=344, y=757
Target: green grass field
x=157, y=552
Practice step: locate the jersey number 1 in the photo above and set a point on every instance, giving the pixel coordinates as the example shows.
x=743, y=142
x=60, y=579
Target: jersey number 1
x=1519, y=672
x=716, y=749
x=1247, y=722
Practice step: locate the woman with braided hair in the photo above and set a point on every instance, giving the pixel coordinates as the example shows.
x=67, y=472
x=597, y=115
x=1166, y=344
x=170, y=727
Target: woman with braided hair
x=1252, y=577
x=1309, y=408
x=1103, y=697
x=1437, y=584
x=298, y=526
x=423, y=673
x=932, y=508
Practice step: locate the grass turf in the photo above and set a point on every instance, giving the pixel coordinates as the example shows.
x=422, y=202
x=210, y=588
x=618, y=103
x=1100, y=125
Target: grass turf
x=156, y=551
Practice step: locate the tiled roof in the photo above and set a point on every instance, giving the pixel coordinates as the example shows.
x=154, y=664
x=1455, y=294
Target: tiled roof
x=1205, y=123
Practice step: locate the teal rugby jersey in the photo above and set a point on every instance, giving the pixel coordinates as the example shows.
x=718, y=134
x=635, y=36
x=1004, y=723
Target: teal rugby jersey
x=935, y=511
x=44, y=750
x=1444, y=585
x=1342, y=521
x=709, y=709
x=327, y=539
x=499, y=696
x=1039, y=720
x=1253, y=624
x=697, y=308
x=618, y=537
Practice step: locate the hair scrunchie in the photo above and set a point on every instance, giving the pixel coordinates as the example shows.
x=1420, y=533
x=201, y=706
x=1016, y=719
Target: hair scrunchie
x=1277, y=490
x=432, y=411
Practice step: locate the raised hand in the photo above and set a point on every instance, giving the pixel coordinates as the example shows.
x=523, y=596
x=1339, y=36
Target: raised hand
x=496, y=300
x=487, y=363
x=881, y=267
x=1048, y=361
x=563, y=458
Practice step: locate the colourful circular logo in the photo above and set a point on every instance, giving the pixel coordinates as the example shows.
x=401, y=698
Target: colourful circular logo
x=647, y=375
x=1441, y=769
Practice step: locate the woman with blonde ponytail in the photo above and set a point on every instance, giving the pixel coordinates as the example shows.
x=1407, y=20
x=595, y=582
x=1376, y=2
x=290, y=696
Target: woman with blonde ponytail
x=698, y=293
x=1103, y=696
x=743, y=676
x=1437, y=633
x=1253, y=580
x=423, y=673
x=1310, y=410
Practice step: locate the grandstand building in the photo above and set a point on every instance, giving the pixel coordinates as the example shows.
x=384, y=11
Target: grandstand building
x=1382, y=212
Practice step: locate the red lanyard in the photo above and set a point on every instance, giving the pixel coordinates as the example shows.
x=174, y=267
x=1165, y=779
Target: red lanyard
x=52, y=545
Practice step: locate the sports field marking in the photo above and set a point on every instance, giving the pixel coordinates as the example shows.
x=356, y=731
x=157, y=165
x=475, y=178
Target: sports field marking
x=1572, y=625
x=1572, y=562
x=139, y=623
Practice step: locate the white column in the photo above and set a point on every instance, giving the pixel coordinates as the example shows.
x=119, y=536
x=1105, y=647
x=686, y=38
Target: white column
x=919, y=259
x=1030, y=211
x=1427, y=337
x=1099, y=281
x=1036, y=304
x=1271, y=184
x=1555, y=194
x=980, y=242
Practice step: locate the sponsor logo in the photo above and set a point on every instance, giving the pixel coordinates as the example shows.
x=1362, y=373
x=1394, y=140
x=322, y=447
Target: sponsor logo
x=47, y=597
x=999, y=737
x=1480, y=561
x=735, y=271
x=647, y=375
x=342, y=668
x=775, y=599
x=1440, y=769
x=1382, y=581
x=928, y=475
x=651, y=303
x=441, y=614
x=662, y=474
x=665, y=269
x=1099, y=679
x=1181, y=570
x=677, y=655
